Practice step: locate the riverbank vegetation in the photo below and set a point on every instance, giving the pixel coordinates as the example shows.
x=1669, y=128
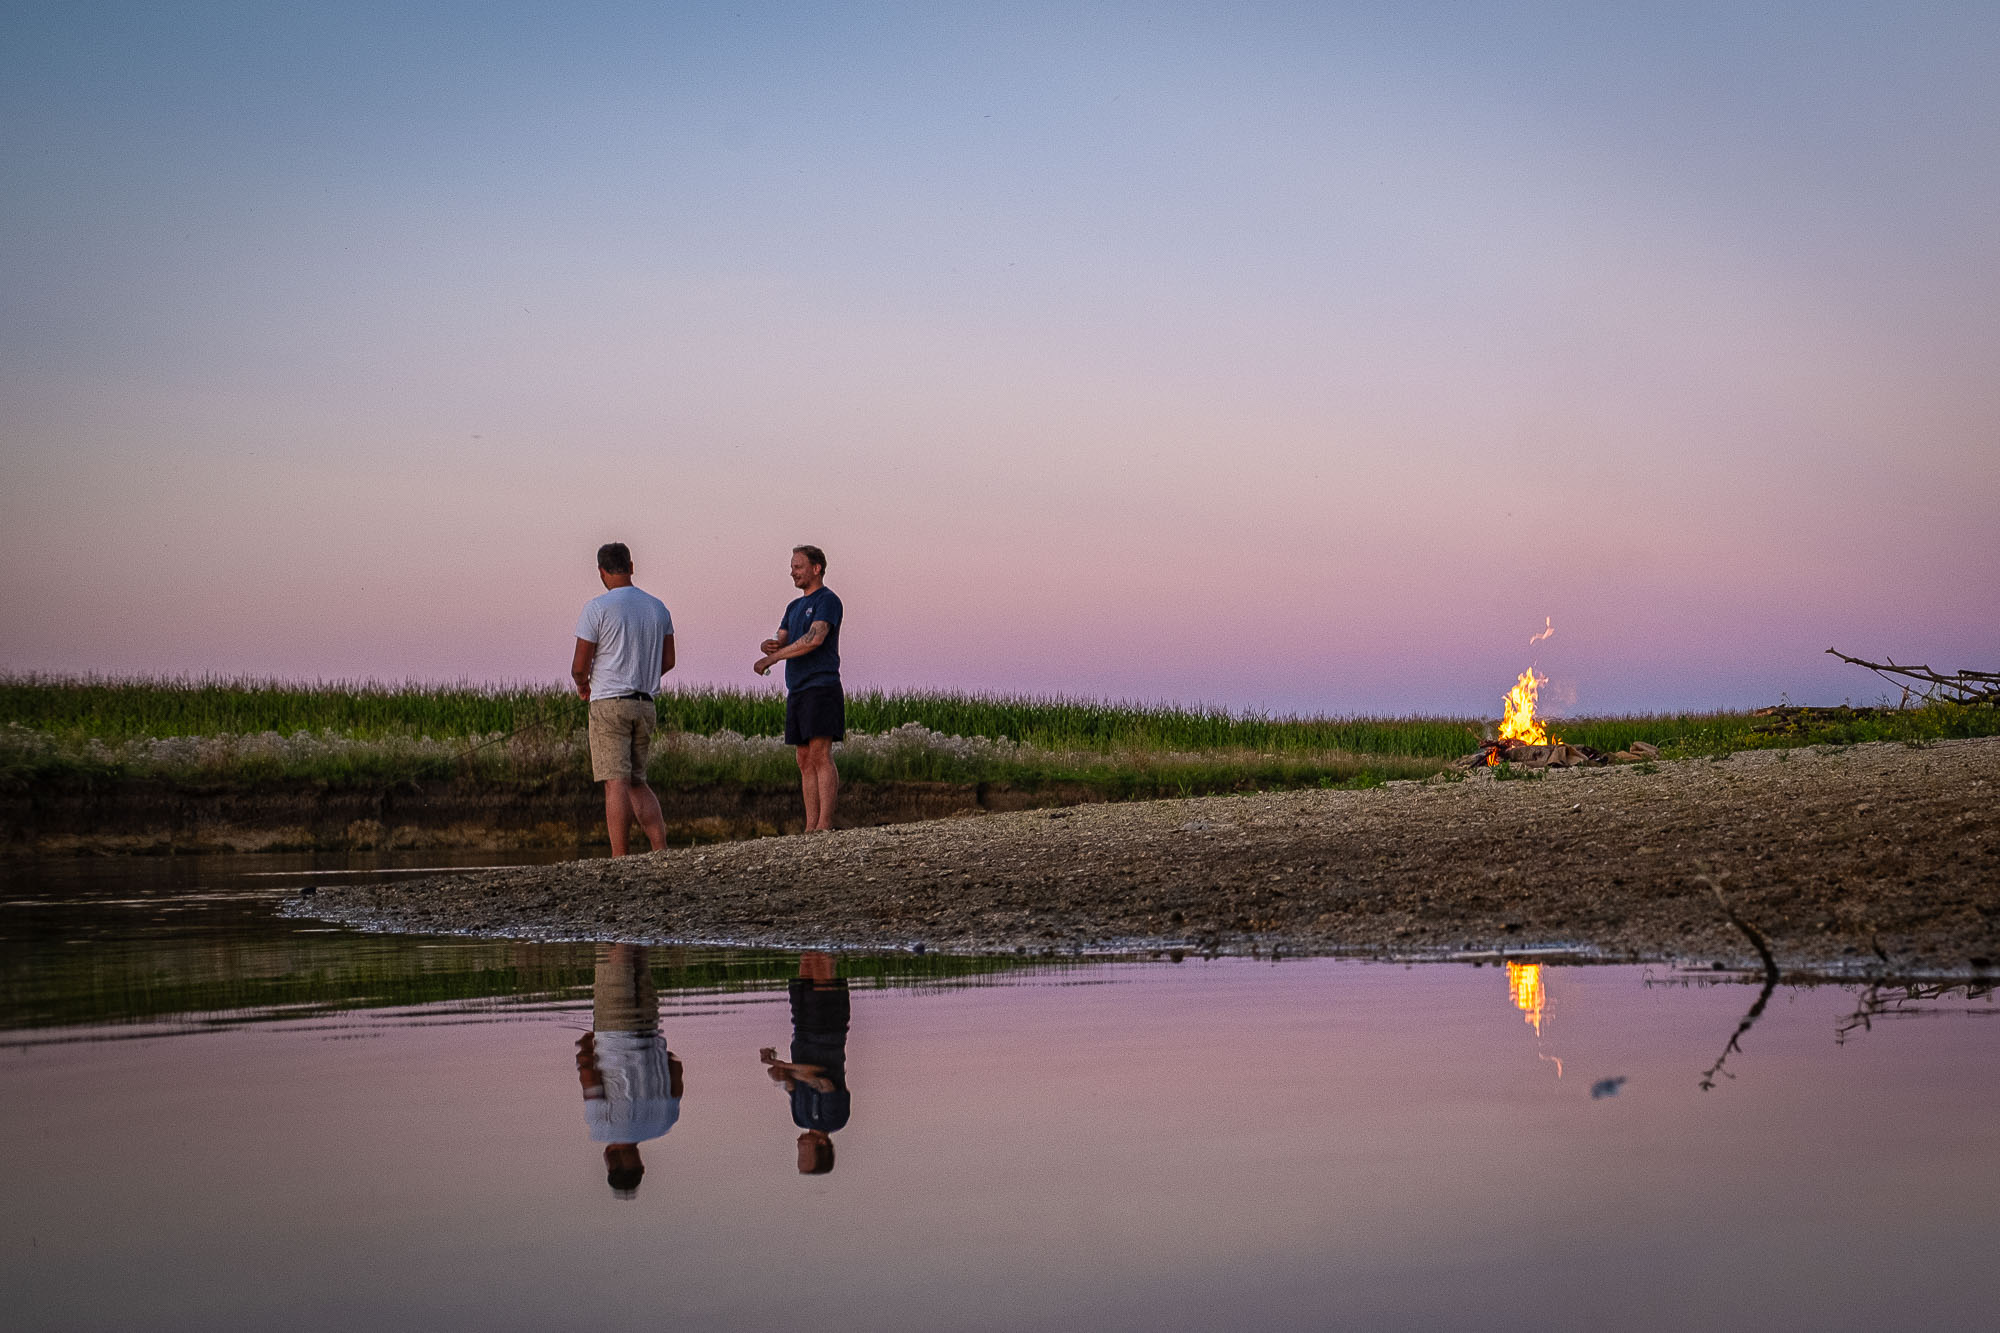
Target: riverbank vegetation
x=286, y=976
x=97, y=730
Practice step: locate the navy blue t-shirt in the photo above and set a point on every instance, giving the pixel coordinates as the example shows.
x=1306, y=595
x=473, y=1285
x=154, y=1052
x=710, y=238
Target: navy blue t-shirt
x=821, y=666
x=819, y=1037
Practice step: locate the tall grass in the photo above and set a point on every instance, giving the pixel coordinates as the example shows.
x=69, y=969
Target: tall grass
x=116, y=709
x=98, y=727
x=111, y=708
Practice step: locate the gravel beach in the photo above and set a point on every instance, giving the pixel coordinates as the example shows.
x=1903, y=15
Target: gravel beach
x=1872, y=859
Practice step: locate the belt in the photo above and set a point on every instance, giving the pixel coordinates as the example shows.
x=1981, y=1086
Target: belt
x=635, y=695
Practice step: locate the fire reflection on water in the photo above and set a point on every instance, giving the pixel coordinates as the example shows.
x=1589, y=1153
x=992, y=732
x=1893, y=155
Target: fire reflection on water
x=1524, y=981
x=1529, y=991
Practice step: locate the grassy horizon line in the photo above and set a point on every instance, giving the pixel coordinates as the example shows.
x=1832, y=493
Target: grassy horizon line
x=78, y=710
x=509, y=690
x=416, y=687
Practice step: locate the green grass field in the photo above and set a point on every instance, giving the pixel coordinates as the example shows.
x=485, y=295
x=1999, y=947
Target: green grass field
x=102, y=729
x=112, y=709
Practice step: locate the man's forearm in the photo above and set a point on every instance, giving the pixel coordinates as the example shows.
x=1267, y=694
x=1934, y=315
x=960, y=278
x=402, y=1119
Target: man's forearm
x=810, y=643
x=777, y=650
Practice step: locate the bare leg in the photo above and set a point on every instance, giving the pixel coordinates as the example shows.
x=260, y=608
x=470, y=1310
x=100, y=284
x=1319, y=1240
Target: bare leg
x=809, y=785
x=618, y=812
x=646, y=809
x=819, y=753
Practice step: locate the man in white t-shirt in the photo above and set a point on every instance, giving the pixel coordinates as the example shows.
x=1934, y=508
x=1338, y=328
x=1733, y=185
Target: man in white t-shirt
x=624, y=644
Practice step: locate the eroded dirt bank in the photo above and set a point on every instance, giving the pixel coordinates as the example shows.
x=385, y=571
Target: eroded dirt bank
x=1879, y=857
x=157, y=817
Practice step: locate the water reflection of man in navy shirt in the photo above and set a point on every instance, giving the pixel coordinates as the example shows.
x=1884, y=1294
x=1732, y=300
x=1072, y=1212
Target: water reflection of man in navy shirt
x=816, y=1075
x=631, y=1081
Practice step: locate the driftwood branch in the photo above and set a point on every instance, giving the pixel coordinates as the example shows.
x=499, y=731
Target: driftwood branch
x=1958, y=687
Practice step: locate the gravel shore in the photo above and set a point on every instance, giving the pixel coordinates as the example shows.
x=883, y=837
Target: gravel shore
x=1881, y=859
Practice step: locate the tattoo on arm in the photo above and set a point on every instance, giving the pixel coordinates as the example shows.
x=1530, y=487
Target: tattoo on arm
x=816, y=635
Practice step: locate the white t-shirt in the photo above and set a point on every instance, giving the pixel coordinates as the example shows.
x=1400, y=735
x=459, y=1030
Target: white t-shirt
x=629, y=628
x=638, y=1101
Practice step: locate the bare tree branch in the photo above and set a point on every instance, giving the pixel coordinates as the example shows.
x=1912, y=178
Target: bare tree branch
x=1959, y=687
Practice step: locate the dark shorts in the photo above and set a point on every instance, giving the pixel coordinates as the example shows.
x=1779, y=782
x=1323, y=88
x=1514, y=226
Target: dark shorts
x=817, y=710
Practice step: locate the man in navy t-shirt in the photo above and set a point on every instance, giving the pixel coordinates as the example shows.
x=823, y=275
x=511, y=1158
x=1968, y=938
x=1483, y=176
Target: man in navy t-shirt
x=816, y=1075
x=808, y=643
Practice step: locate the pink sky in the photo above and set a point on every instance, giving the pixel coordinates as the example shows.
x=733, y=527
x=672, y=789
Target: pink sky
x=1289, y=363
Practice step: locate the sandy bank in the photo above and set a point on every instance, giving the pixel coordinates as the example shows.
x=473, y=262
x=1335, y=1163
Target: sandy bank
x=1876, y=857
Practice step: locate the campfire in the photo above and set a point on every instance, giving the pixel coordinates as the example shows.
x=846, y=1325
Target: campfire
x=1523, y=740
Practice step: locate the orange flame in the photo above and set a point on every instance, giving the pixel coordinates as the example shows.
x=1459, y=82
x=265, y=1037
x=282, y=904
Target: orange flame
x=1524, y=983
x=1519, y=725
x=1548, y=631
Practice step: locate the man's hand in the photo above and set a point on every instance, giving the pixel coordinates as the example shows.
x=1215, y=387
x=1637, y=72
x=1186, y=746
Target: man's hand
x=586, y=1066
x=777, y=650
x=579, y=666
x=779, y=1071
x=770, y=649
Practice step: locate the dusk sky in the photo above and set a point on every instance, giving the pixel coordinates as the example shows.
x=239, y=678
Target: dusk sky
x=1302, y=357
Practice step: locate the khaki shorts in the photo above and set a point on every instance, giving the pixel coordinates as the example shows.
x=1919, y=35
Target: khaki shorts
x=621, y=734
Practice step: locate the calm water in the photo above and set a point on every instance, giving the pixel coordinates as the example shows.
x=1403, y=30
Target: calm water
x=214, y=1118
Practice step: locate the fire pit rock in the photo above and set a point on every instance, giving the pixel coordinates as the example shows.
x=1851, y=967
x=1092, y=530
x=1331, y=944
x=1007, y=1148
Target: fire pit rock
x=1558, y=754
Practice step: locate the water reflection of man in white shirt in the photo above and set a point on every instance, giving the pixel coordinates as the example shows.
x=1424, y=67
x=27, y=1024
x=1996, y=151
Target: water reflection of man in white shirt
x=631, y=1081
